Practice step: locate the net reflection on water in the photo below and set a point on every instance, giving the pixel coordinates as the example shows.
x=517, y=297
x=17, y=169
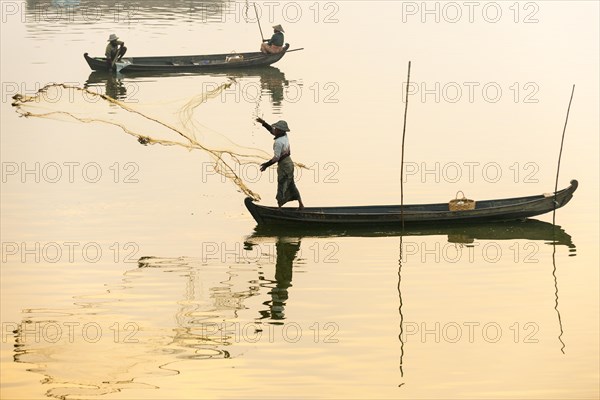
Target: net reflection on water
x=108, y=343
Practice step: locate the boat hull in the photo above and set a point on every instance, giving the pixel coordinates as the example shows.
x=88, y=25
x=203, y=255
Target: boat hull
x=518, y=208
x=189, y=63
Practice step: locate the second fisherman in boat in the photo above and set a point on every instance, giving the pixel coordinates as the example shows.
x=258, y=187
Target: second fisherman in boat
x=275, y=44
x=286, y=187
x=115, y=50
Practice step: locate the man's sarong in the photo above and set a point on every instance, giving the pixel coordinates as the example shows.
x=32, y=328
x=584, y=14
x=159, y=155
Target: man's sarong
x=286, y=187
x=270, y=48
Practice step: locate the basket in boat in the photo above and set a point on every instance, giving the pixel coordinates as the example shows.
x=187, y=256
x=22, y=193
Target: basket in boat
x=461, y=203
x=234, y=57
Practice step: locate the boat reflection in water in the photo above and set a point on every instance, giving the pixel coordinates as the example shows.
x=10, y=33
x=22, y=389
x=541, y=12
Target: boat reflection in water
x=114, y=85
x=270, y=83
x=467, y=235
x=167, y=310
x=273, y=82
x=529, y=229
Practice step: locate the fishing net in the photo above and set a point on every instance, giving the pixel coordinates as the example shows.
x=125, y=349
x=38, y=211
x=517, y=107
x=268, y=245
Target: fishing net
x=167, y=123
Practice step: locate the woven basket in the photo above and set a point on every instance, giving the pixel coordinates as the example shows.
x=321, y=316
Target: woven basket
x=461, y=203
x=234, y=57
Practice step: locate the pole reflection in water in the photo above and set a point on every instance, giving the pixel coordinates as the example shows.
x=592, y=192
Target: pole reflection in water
x=531, y=230
x=562, y=349
x=400, y=311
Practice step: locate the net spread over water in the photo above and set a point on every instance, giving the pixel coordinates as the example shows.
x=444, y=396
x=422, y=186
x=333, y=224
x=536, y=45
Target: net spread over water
x=180, y=128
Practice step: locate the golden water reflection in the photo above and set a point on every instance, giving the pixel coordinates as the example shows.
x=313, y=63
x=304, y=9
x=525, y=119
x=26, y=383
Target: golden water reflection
x=108, y=343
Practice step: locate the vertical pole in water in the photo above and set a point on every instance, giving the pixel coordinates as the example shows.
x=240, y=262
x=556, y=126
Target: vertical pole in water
x=560, y=155
x=402, y=219
x=402, y=156
x=554, y=227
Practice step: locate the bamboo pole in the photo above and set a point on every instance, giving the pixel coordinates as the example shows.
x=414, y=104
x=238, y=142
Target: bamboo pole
x=401, y=367
x=562, y=141
x=402, y=156
x=258, y=20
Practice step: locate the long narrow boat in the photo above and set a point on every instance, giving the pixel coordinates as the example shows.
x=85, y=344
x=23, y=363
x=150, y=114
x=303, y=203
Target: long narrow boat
x=518, y=208
x=188, y=63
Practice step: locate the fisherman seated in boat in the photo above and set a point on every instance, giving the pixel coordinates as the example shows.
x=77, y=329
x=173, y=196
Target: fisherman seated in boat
x=275, y=44
x=286, y=187
x=115, y=50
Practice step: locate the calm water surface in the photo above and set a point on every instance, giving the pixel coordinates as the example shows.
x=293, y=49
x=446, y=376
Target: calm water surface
x=151, y=281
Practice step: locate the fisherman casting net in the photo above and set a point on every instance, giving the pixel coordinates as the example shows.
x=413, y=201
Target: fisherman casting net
x=179, y=128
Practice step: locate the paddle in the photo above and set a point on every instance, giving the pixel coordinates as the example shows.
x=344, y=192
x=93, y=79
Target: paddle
x=258, y=20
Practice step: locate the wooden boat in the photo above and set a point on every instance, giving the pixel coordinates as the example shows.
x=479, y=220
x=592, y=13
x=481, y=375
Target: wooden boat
x=518, y=208
x=189, y=63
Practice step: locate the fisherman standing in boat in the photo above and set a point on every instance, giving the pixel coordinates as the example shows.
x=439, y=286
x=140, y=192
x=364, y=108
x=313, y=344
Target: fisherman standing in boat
x=286, y=187
x=275, y=44
x=115, y=50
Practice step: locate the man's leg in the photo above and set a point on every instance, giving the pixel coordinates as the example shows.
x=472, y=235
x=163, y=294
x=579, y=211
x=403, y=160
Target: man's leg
x=122, y=52
x=300, y=203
